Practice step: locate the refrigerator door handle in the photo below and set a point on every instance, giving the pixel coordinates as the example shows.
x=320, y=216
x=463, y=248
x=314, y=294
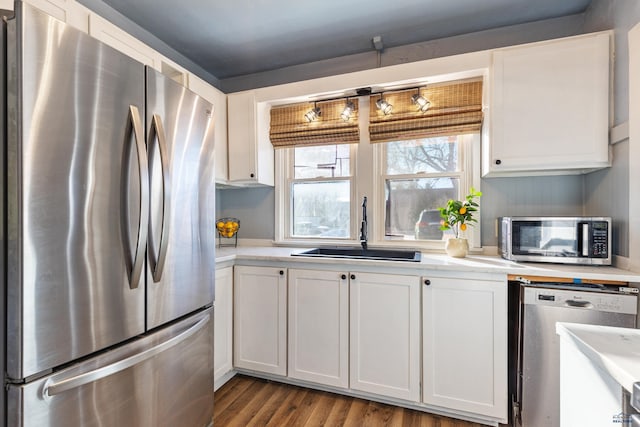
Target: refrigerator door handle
x=55, y=386
x=157, y=258
x=134, y=124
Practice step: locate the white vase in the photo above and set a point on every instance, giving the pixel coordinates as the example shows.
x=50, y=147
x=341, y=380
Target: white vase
x=457, y=248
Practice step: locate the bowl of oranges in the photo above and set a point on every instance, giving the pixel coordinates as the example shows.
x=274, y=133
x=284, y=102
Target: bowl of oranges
x=228, y=228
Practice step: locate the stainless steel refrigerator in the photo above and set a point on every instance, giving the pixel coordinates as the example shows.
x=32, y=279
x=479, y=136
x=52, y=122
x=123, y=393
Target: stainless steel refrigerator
x=107, y=235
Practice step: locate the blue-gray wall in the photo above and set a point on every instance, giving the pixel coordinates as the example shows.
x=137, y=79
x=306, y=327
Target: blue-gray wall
x=254, y=207
x=600, y=193
x=608, y=190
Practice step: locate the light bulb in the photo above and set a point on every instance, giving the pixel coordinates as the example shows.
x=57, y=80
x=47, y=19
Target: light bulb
x=348, y=110
x=384, y=106
x=312, y=114
x=422, y=103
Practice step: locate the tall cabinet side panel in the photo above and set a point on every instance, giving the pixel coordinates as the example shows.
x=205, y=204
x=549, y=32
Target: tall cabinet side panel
x=3, y=217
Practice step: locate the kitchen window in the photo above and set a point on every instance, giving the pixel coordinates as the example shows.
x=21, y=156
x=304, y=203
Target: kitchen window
x=320, y=191
x=416, y=178
x=405, y=176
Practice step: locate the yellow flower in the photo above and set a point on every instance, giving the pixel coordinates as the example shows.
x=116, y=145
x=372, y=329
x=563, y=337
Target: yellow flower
x=463, y=226
x=463, y=210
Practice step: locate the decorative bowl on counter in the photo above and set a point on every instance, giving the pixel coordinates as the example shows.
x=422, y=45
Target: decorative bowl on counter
x=228, y=229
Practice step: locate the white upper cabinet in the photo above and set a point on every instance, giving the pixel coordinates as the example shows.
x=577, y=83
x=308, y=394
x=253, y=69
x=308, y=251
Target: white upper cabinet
x=219, y=101
x=67, y=11
x=251, y=159
x=549, y=107
x=119, y=39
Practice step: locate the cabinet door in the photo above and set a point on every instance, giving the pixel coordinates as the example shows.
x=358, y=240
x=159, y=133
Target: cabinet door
x=250, y=150
x=223, y=326
x=385, y=335
x=550, y=106
x=67, y=11
x=465, y=345
x=260, y=319
x=119, y=39
x=319, y=326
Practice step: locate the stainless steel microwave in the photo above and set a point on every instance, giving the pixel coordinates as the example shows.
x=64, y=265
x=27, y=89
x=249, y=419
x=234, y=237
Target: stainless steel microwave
x=563, y=240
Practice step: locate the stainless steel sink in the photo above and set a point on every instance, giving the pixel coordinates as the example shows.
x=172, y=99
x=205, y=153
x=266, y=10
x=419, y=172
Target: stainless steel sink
x=359, y=253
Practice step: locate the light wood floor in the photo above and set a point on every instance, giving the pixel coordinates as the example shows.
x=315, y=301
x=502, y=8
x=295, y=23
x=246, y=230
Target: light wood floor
x=246, y=401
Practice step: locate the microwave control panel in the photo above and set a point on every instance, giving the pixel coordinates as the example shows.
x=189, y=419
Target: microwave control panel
x=599, y=239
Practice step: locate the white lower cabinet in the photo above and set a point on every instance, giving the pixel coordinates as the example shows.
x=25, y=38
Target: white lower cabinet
x=319, y=327
x=223, y=326
x=465, y=345
x=385, y=335
x=260, y=319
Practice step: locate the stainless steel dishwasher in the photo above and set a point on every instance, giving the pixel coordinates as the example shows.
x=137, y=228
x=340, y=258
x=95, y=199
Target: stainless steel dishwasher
x=537, y=397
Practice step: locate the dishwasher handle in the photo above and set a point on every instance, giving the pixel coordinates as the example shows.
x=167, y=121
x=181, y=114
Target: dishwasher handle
x=578, y=303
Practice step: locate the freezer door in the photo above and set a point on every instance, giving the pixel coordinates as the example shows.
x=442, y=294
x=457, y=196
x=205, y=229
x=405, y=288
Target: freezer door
x=75, y=145
x=165, y=379
x=180, y=275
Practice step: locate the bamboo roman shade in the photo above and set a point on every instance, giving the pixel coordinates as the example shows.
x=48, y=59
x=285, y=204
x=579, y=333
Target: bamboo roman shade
x=289, y=127
x=456, y=107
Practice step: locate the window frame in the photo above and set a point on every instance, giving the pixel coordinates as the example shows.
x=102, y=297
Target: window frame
x=468, y=174
x=285, y=160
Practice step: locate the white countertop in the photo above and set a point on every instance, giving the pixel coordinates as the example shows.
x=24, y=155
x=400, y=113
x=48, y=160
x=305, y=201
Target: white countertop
x=431, y=262
x=613, y=350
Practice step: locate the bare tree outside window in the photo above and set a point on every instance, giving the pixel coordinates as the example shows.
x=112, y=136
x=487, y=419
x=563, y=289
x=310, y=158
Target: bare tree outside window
x=421, y=175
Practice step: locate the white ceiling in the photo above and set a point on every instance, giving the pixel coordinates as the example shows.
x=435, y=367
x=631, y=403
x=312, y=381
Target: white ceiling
x=240, y=37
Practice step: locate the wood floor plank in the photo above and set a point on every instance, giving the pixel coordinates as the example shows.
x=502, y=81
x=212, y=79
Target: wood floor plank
x=264, y=415
x=227, y=394
x=286, y=403
x=356, y=413
x=339, y=411
x=246, y=401
x=291, y=404
x=239, y=403
x=253, y=404
x=321, y=410
x=378, y=415
x=302, y=414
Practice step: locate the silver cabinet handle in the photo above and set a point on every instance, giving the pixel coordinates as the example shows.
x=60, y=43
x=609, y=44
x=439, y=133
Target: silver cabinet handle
x=157, y=258
x=53, y=386
x=134, y=124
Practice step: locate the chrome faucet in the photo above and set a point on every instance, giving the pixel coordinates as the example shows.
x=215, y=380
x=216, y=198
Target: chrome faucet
x=363, y=226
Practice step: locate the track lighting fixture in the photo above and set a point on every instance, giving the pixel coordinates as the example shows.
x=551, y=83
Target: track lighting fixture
x=313, y=114
x=349, y=107
x=384, y=106
x=421, y=102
